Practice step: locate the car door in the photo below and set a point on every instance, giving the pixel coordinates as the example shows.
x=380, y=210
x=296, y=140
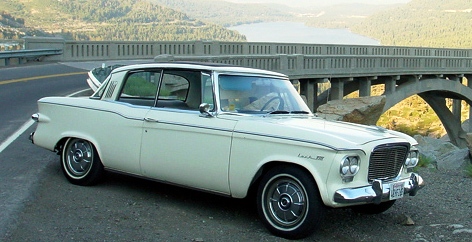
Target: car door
x=119, y=119
x=179, y=144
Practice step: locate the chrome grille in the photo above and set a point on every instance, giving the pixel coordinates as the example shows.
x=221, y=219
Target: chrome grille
x=387, y=160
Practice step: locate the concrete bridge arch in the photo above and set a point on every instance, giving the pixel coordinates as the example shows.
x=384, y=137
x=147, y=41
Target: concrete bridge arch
x=433, y=89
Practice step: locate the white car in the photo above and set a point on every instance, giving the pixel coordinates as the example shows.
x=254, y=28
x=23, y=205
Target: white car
x=228, y=130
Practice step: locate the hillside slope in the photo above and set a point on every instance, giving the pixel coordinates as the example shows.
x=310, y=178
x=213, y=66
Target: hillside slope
x=114, y=20
x=14, y=28
x=427, y=23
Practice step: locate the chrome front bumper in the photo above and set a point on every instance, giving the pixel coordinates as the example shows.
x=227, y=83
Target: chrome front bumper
x=31, y=137
x=378, y=191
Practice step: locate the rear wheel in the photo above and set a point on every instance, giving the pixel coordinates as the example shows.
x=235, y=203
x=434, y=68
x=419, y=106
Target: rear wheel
x=289, y=203
x=80, y=162
x=373, y=208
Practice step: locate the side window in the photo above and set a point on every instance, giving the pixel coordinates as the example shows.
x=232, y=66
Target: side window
x=180, y=89
x=173, y=87
x=140, y=88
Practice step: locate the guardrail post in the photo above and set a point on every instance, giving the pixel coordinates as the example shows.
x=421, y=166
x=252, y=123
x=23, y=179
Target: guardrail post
x=214, y=48
x=283, y=60
x=199, y=48
x=299, y=64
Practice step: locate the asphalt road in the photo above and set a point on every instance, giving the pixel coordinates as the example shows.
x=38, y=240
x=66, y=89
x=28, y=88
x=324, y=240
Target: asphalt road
x=21, y=162
x=38, y=204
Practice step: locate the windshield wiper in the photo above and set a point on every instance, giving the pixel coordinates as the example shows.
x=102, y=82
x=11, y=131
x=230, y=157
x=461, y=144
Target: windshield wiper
x=288, y=112
x=279, y=112
x=299, y=112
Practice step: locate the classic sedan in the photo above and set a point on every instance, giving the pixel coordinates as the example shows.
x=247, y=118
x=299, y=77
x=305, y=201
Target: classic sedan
x=228, y=130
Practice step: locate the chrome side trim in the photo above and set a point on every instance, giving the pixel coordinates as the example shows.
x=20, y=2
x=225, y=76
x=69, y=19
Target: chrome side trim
x=298, y=140
x=103, y=110
x=378, y=192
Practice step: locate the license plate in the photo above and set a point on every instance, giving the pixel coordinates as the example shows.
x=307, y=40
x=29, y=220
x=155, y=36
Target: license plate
x=397, y=190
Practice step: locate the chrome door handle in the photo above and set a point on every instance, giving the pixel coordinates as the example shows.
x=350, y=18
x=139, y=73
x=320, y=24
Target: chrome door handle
x=147, y=119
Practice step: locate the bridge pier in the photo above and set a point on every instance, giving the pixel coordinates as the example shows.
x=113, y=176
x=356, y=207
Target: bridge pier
x=456, y=103
x=309, y=89
x=390, y=84
x=365, y=86
x=469, y=85
x=337, y=87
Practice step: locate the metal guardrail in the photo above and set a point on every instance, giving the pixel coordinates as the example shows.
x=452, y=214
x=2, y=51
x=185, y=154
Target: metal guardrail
x=25, y=55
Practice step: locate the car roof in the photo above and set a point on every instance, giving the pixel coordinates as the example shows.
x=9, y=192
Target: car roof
x=219, y=67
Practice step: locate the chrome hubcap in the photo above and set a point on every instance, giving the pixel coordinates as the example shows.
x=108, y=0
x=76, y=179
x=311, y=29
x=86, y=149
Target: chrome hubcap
x=286, y=202
x=79, y=157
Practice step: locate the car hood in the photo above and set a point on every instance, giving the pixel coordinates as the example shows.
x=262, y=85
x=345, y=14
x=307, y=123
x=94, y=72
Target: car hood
x=333, y=134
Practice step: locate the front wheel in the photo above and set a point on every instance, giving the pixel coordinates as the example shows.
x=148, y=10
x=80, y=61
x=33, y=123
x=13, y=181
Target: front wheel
x=289, y=203
x=80, y=162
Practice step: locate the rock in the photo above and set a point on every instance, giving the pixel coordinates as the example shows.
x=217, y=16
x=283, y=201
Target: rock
x=443, y=154
x=405, y=220
x=468, y=138
x=363, y=110
x=453, y=160
x=434, y=148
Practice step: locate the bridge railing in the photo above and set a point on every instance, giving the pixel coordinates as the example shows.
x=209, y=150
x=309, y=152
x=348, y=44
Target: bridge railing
x=296, y=60
x=326, y=66
x=103, y=50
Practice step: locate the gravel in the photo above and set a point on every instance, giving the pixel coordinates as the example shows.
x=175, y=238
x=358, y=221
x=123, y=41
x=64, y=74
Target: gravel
x=129, y=209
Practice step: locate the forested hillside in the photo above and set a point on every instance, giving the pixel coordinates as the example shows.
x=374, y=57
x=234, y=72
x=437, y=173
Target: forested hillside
x=427, y=23
x=14, y=28
x=114, y=20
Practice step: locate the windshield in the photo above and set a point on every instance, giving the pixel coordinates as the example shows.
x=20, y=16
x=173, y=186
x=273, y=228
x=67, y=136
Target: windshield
x=259, y=95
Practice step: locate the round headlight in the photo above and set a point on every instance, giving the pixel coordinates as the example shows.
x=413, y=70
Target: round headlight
x=412, y=159
x=408, y=160
x=345, y=166
x=353, y=165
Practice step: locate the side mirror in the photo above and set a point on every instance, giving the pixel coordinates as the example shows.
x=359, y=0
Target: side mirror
x=204, y=109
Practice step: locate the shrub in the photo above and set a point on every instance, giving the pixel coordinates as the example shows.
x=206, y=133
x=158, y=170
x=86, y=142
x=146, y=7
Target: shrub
x=468, y=170
x=423, y=162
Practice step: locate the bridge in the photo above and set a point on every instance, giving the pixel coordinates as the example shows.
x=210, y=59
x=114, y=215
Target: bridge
x=435, y=74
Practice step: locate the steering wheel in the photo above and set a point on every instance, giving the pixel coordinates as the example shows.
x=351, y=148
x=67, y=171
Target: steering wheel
x=281, y=103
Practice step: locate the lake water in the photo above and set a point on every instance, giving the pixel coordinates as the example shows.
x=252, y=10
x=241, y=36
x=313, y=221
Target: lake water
x=292, y=32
